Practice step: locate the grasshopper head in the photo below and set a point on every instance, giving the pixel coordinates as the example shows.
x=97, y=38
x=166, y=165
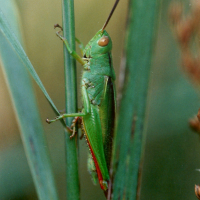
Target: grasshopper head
x=100, y=44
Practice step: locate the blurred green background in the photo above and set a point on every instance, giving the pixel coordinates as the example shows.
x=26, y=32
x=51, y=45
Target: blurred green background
x=171, y=154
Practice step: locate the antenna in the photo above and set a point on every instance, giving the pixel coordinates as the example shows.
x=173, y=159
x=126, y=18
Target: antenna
x=110, y=15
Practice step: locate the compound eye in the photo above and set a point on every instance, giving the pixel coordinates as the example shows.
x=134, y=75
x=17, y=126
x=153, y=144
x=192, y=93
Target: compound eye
x=103, y=41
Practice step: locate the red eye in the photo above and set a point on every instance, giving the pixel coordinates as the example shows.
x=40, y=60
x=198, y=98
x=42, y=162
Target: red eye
x=103, y=41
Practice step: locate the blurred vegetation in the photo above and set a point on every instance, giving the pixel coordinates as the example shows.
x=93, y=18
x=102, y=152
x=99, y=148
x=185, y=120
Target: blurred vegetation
x=21, y=90
x=171, y=148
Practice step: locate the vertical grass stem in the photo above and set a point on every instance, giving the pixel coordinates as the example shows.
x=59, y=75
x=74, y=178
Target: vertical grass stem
x=71, y=100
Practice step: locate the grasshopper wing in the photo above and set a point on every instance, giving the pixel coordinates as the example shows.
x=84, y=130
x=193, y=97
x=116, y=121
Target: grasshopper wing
x=93, y=131
x=107, y=112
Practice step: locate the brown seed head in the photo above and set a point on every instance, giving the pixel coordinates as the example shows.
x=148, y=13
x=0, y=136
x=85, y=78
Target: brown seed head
x=197, y=191
x=175, y=12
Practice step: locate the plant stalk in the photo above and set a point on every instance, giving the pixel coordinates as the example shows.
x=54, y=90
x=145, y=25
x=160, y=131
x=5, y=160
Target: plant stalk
x=71, y=100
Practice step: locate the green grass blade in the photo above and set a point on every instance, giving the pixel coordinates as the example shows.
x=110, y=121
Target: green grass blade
x=10, y=36
x=130, y=124
x=71, y=100
x=26, y=110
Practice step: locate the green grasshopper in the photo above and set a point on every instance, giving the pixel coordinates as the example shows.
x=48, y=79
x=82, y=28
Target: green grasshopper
x=98, y=92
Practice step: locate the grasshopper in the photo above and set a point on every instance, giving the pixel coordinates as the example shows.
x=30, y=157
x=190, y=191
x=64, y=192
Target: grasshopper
x=99, y=100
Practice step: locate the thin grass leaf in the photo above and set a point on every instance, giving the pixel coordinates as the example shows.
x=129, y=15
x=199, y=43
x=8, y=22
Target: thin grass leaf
x=25, y=106
x=11, y=38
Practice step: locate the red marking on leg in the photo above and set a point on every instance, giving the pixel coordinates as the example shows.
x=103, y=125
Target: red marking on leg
x=99, y=174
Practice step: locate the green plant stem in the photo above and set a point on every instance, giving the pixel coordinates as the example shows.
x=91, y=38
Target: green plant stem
x=130, y=124
x=71, y=100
